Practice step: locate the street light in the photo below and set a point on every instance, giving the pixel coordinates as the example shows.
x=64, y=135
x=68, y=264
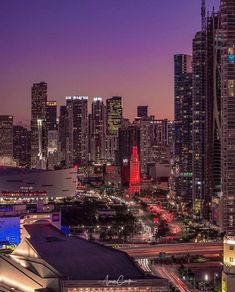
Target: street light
x=216, y=275
x=206, y=281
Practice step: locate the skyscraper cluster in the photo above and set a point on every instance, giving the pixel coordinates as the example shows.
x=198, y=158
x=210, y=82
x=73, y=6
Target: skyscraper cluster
x=204, y=144
x=74, y=136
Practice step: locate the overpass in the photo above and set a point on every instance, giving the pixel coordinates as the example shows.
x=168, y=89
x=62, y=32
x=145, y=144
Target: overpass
x=152, y=251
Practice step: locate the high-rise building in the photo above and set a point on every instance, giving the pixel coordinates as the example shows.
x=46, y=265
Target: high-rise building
x=52, y=135
x=213, y=119
x=97, y=130
x=160, y=144
x=142, y=111
x=134, y=184
x=144, y=125
x=6, y=138
x=183, y=126
x=63, y=133
x=199, y=122
x=114, y=121
x=170, y=135
x=228, y=115
x=21, y=146
x=114, y=114
x=77, y=148
x=51, y=115
x=129, y=136
x=153, y=142
x=159, y=134
x=38, y=125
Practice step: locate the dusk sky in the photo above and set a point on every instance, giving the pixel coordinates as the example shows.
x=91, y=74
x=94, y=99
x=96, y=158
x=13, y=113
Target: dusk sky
x=95, y=48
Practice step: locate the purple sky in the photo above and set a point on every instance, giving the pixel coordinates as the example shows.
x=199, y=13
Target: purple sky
x=95, y=48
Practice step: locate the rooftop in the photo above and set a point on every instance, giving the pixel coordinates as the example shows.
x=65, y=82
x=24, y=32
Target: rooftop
x=78, y=259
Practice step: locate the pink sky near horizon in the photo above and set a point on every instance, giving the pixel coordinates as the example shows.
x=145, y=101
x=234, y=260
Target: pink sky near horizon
x=95, y=48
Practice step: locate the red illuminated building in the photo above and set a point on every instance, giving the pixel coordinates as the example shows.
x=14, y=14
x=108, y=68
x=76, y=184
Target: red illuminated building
x=134, y=184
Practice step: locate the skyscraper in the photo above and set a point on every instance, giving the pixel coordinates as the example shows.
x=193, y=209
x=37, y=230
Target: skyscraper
x=160, y=144
x=52, y=128
x=6, y=138
x=129, y=136
x=228, y=115
x=51, y=115
x=114, y=114
x=21, y=146
x=98, y=130
x=77, y=150
x=183, y=126
x=134, y=184
x=114, y=121
x=142, y=111
x=39, y=125
x=199, y=121
x=144, y=125
x=159, y=132
x=213, y=118
x=52, y=132
x=63, y=133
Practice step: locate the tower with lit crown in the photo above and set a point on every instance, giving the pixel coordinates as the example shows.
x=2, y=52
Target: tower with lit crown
x=134, y=185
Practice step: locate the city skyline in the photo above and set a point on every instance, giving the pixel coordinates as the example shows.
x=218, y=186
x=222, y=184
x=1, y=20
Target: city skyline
x=117, y=128
x=88, y=64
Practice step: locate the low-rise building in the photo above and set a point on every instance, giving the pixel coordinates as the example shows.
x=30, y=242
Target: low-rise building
x=47, y=260
x=14, y=217
x=228, y=276
x=33, y=184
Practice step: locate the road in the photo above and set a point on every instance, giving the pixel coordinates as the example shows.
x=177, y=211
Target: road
x=151, y=251
x=205, y=265
x=170, y=274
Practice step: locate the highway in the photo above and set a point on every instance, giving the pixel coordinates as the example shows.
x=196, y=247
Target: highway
x=151, y=251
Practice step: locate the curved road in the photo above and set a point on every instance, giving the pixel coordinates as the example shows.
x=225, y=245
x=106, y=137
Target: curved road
x=173, y=278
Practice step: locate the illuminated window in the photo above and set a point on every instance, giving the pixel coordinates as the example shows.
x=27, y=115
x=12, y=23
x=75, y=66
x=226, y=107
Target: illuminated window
x=231, y=87
x=231, y=59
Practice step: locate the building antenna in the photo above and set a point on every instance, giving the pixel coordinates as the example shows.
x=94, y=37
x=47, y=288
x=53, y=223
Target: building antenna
x=203, y=14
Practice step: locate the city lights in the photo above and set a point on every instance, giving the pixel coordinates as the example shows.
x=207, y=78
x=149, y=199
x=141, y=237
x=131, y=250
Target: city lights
x=117, y=146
